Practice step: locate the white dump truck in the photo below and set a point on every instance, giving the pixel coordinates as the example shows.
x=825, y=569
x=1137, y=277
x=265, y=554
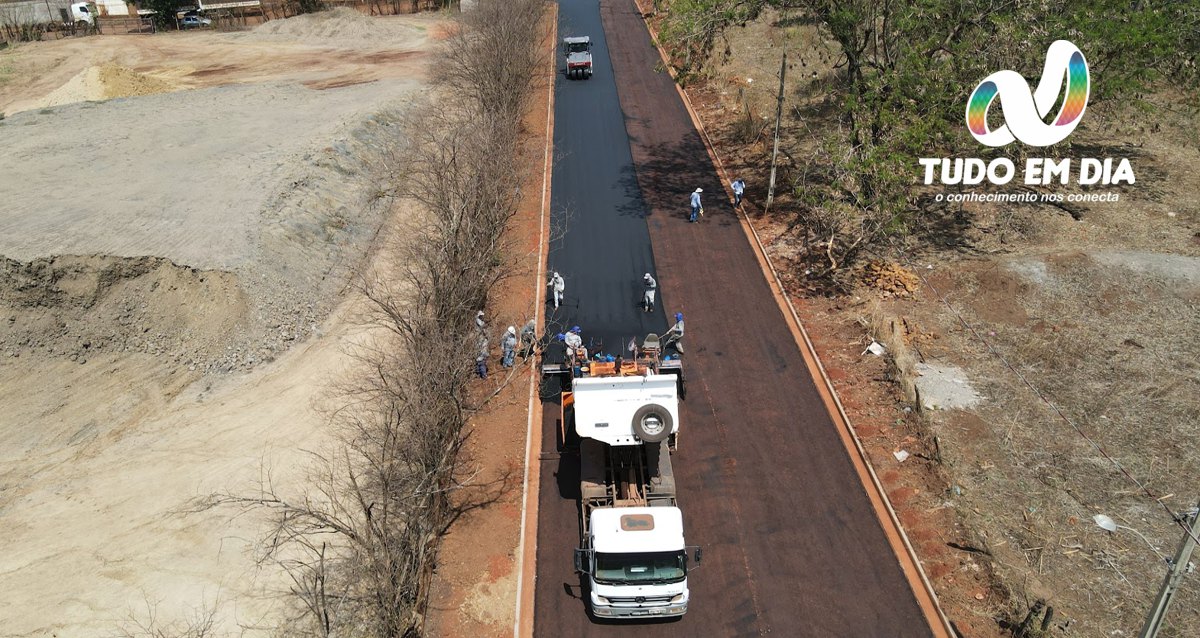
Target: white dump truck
x=578, y=51
x=632, y=555
x=83, y=12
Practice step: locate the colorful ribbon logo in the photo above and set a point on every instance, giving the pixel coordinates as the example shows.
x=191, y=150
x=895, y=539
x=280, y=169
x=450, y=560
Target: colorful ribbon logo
x=1024, y=113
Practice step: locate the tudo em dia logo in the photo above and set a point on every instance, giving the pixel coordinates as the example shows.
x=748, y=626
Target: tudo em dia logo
x=1025, y=112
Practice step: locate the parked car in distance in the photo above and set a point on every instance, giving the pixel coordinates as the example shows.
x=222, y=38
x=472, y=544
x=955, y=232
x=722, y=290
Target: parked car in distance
x=194, y=22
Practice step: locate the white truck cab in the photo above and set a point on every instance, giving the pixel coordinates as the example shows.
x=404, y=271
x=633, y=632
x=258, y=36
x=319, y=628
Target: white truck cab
x=84, y=12
x=637, y=562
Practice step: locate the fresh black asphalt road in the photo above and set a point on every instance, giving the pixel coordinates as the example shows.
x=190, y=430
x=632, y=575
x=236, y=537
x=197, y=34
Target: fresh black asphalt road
x=598, y=238
x=792, y=545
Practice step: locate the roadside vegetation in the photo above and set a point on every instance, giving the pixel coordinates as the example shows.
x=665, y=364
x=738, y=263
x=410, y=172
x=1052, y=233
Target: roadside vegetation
x=1073, y=323
x=901, y=69
x=360, y=540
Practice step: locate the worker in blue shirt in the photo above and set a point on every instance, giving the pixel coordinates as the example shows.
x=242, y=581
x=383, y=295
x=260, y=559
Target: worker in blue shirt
x=739, y=188
x=675, y=334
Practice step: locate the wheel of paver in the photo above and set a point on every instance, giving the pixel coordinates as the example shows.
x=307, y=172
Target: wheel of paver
x=652, y=423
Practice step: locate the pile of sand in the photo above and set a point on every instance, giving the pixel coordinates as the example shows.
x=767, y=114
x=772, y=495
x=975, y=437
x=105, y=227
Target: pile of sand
x=118, y=81
x=104, y=82
x=342, y=27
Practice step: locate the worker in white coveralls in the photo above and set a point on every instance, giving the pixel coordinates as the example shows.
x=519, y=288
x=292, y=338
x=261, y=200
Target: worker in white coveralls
x=557, y=286
x=575, y=349
x=648, y=295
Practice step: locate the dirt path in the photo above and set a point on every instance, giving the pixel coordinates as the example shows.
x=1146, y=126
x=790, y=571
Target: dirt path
x=335, y=49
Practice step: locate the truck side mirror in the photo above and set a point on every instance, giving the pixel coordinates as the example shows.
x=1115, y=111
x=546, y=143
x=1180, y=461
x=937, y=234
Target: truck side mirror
x=580, y=561
x=699, y=554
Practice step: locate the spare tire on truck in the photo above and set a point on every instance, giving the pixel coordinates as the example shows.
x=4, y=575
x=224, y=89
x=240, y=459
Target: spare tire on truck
x=652, y=423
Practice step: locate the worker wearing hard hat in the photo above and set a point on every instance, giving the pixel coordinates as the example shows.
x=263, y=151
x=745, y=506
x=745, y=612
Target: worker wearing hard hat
x=675, y=334
x=557, y=287
x=648, y=296
x=697, y=207
x=574, y=341
x=508, y=347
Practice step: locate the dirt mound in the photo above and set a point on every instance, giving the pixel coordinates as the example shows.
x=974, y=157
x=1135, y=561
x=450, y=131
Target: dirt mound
x=83, y=87
x=890, y=278
x=78, y=307
x=119, y=81
x=340, y=26
x=104, y=82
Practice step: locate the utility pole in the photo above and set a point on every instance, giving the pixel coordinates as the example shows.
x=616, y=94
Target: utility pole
x=1179, y=567
x=778, y=118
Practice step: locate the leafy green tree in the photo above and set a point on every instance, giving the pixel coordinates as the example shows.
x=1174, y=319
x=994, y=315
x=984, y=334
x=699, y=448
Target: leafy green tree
x=164, y=11
x=905, y=71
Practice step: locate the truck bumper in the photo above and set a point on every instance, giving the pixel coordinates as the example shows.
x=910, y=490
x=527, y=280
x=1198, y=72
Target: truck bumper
x=621, y=612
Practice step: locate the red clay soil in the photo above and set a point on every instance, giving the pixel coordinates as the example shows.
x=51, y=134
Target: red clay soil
x=916, y=488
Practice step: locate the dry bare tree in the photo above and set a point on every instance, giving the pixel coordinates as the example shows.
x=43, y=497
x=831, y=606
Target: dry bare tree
x=20, y=22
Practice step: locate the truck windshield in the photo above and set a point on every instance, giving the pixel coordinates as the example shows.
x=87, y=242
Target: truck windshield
x=650, y=567
x=578, y=47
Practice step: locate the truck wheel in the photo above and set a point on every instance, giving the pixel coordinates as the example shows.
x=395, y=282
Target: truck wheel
x=652, y=423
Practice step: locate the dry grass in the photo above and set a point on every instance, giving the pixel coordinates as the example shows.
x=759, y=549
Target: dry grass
x=1116, y=351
